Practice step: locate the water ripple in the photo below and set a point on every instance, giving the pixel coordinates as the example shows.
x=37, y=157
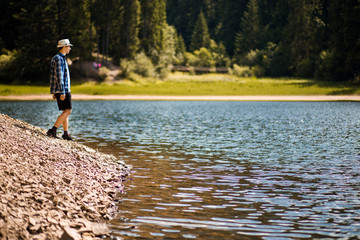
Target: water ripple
x=225, y=170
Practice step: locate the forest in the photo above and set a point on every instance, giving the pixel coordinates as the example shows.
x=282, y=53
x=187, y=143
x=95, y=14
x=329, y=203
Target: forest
x=314, y=39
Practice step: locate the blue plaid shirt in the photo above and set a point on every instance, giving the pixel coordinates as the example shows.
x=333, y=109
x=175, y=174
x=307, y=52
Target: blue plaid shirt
x=59, y=75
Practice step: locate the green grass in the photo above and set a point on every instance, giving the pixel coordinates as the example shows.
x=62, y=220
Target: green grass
x=209, y=84
x=6, y=90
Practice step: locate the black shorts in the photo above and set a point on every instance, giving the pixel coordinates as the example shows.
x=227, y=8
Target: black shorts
x=66, y=104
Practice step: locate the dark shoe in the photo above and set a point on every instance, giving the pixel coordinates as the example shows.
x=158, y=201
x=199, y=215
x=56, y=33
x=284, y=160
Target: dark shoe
x=67, y=137
x=51, y=133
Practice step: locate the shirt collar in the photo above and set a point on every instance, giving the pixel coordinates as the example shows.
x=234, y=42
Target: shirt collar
x=62, y=55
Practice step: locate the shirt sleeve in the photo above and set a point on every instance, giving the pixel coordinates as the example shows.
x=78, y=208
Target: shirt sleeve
x=60, y=70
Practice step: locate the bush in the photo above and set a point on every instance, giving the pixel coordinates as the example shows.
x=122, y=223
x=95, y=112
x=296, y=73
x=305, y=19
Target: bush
x=6, y=59
x=208, y=57
x=306, y=67
x=7, y=63
x=141, y=65
x=356, y=79
x=127, y=67
x=241, y=71
x=163, y=72
x=205, y=58
x=263, y=61
x=219, y=54
x=191, y=59
x=258, y=71
x=103, y=72
x=325, y=66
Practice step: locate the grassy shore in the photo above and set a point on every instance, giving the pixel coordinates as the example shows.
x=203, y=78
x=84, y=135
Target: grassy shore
x=180, y=84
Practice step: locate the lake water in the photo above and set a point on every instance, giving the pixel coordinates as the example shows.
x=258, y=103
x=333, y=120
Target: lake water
x=225, y=170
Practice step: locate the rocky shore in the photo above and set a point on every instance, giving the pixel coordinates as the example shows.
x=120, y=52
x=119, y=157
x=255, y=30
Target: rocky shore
x=52, y=188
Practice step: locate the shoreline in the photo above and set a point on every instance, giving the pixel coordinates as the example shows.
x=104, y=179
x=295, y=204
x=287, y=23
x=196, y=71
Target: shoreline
x=85, y=97
x=54, y=189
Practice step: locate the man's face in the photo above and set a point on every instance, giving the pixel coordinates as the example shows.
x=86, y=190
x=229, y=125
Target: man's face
x=67, y=49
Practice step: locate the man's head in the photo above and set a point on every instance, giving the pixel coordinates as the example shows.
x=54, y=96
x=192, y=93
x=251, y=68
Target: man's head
x=64, y=46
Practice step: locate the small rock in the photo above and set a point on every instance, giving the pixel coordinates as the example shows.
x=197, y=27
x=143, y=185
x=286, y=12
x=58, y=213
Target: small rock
x=70, y=234
x=100, y=229
x=39, y=237
x=64, y=223
x=66, y=180
x=32, y=221
x=35, y=229
x=51, y=220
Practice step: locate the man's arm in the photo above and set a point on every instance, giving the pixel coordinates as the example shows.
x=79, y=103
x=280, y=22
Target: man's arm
x=60, y=69
x=60, y=77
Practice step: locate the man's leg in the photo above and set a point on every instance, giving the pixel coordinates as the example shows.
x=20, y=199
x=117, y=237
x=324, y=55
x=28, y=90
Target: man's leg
x=63, y=119
x=65, y=124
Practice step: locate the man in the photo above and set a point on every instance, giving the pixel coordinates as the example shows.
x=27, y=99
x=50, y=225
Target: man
x=60, y=88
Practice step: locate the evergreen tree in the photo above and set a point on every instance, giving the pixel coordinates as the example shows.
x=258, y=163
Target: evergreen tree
x=168, y=53
x=284, y=37
x=227, y=22
x=183, y=14
x=9, y=13
x=170, y=44
x=132, y=21
x=200, y=36
x=125, y=41
x=278, y=21
x=36, y=41
x=266, y=11
x=299, y=39
x=152, y=26
x=251, y=34
x=343, y=57
x=101, y=16
x=39, y=28
x=76, y=27
x=181, y=48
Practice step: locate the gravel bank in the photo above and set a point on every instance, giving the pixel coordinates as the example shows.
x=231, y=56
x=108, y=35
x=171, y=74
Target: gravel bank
x=52, y=188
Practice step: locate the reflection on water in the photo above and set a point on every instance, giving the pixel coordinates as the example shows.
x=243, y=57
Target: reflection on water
x=230, y=170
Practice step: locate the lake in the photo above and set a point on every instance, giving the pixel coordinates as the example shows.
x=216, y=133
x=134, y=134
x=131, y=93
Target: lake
x=224, y=170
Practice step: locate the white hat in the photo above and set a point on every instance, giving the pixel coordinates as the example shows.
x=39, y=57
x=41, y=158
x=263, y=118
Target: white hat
x=64, y=42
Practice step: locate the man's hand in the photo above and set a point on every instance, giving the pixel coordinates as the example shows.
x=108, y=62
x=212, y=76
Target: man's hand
x=54, y=97
x=62, y=97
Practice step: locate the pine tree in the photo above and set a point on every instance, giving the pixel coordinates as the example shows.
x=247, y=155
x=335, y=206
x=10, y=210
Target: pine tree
x=35, y=22
x=101, y=16
x=200, y=36
x=152, y=26
x=132, y=21
x=278, y=21
x=76, y=27
x=183, y=14
x=181, y=48
x=251, y=34
x=299, y=39
x=344, y=53
x=125, y=28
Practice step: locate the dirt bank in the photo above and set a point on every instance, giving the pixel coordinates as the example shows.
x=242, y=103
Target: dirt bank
x=52, y=188
x=189, y=98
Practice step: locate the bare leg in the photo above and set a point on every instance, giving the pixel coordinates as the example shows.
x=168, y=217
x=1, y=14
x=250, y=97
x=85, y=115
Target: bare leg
x=66, y=124
x=63, y=119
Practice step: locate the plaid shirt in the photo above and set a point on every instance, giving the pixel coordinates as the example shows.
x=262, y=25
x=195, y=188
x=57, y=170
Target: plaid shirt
x=59, y=75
